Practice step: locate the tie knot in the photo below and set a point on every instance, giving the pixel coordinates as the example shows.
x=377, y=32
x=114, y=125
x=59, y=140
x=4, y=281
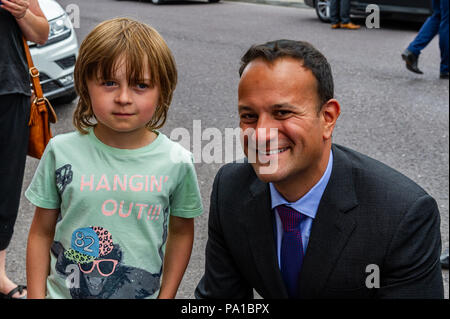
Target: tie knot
x=290, y=218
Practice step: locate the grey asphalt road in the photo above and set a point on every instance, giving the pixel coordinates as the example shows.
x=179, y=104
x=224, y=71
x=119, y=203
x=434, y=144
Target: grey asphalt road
x=388, y=113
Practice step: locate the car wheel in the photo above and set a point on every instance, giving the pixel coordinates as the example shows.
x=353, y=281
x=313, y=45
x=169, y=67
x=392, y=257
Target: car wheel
x=323, y=10
x=157, y=1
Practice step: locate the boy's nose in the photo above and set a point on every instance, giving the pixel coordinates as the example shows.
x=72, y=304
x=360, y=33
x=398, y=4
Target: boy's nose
x=123, y=97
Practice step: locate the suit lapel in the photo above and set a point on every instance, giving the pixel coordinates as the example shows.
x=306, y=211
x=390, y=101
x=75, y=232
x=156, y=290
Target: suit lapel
x=330, y=231
x=259, y=224
x=331, y=228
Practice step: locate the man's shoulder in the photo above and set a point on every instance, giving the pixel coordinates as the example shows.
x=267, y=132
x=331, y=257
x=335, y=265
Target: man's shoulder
x=371, y=174
x=239, y=166
x=236, y=176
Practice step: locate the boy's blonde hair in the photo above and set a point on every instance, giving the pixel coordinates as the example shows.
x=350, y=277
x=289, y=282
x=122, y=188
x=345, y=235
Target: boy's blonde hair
x=104, y=47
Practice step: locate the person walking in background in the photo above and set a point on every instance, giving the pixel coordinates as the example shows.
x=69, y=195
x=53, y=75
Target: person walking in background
x=436, y=24
x=17, y=18
x=340, y=15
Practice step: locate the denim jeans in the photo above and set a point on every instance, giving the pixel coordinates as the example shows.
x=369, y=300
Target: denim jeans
x=436, y=24
x=339, y=11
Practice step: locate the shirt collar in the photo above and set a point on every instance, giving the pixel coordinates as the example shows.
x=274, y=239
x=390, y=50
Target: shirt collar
x=309, y=203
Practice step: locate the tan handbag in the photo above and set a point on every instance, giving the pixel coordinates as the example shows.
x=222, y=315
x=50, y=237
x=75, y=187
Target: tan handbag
x=41, y=114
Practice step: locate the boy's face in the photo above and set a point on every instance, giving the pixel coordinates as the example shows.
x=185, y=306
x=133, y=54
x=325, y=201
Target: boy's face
x=121, y=107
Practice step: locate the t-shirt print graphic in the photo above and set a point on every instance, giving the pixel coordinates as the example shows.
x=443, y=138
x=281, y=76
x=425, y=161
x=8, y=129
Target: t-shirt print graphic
x=100, y=273
x=63, y=176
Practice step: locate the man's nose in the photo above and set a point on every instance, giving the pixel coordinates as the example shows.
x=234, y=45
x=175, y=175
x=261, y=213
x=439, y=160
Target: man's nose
x=266, y=131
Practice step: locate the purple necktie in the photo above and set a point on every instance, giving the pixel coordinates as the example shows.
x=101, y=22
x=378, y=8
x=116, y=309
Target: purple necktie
x=291, y=248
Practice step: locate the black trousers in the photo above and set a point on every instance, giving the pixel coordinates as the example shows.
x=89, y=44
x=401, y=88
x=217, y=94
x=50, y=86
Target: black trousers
x=14, y=116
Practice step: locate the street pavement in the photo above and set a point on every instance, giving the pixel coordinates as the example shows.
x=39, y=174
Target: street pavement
x=388, y=113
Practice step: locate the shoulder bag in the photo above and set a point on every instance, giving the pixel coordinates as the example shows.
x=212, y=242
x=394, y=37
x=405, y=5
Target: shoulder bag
x=41, y=114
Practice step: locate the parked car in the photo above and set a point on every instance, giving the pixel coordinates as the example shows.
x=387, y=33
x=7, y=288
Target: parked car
x=417, y=10
x=55, y=59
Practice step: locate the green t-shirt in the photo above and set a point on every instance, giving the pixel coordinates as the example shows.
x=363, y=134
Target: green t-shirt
x=114, y=211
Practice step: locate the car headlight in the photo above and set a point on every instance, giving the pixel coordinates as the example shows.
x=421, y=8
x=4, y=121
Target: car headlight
x=60, y=29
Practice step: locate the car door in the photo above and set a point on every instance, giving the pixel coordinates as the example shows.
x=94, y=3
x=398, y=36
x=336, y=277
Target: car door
x=420, y=4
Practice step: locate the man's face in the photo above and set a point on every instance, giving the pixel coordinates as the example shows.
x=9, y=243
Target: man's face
x=283, y=95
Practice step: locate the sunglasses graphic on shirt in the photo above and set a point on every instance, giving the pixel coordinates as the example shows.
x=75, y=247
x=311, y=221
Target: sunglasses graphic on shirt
x=105, y=267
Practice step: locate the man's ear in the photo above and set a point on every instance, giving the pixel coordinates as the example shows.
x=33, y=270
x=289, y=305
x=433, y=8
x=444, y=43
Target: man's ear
x=329, y=114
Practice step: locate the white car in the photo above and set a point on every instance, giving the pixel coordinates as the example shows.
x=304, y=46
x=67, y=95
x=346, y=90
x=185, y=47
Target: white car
x=55, y=59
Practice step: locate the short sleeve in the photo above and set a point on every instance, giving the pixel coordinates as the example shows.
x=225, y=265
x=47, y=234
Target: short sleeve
x=43, y=191
x=186, y=201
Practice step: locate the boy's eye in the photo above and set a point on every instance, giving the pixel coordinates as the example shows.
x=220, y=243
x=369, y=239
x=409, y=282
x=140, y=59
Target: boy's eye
x=108, y=83
x=142, y=86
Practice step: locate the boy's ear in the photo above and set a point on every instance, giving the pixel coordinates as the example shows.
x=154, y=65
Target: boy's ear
x=329, y=114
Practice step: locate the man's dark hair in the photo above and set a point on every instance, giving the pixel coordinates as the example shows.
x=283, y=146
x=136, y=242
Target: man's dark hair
x=309, y=56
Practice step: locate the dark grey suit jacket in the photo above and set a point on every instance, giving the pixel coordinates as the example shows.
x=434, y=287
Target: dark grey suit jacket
x=369, y=214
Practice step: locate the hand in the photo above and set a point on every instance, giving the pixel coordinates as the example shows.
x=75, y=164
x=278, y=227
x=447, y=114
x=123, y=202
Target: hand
x=18, y=8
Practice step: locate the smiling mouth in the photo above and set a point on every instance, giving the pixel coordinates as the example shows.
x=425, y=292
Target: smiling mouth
x=273, y=152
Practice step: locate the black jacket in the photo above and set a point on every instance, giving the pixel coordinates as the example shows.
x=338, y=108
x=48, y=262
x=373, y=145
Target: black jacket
x=369, y=215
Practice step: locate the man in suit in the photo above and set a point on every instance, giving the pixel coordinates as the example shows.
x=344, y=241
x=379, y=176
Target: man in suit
x=327, y=222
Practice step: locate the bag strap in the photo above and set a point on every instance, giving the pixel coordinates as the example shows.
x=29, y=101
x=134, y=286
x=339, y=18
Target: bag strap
x=34, y=73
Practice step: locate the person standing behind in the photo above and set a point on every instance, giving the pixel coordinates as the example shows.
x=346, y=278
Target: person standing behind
x=340, y=15
x=436, y=24
x=17, y=18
